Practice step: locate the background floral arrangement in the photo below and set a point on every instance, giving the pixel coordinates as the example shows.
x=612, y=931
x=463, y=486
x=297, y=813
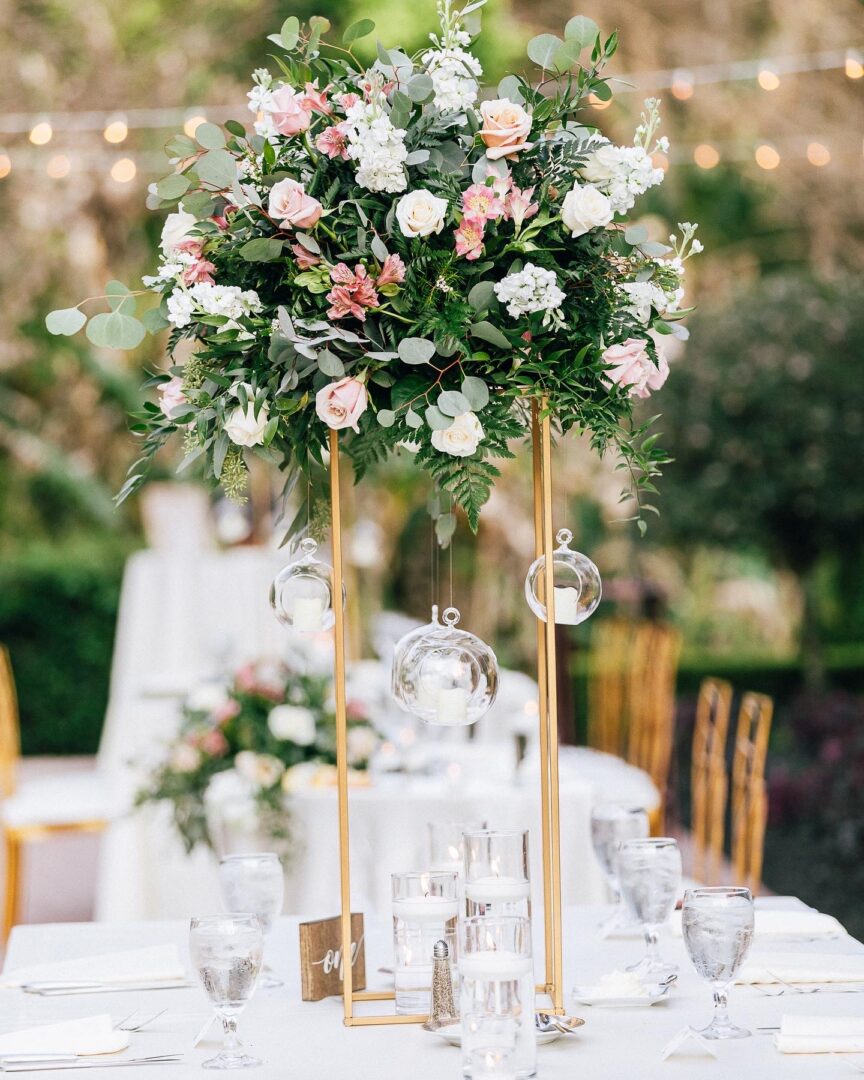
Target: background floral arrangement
x=389, y=255
x=243, y=750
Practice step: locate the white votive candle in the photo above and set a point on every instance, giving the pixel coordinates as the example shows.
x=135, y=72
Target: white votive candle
x=451, y=706
x=492, y=890
x=307, y=612
x=438, y=909
x=495, y=965
x=566, y=605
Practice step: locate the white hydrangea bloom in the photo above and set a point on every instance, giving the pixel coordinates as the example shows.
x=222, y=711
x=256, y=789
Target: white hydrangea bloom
x=530, y=289
x=622, y=173
x=454, y=74
x=181, y=307
x=376, y=146
x=228, y=300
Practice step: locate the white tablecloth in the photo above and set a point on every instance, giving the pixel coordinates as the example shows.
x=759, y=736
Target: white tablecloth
x=309, y=1042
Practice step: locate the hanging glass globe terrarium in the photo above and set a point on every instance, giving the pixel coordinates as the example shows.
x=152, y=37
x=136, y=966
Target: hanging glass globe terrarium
x=576, y=581
x=302, y=593
x=446, y=676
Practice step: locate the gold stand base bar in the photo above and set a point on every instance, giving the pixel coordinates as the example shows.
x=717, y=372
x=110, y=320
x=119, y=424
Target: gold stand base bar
x=548, y=719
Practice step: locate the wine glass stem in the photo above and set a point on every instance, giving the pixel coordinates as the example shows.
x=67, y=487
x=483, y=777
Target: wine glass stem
x=651, y=939
x=231, y=1044
x=721, y=1009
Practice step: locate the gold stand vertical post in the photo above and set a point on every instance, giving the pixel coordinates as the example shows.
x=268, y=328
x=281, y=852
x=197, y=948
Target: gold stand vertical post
x=548, y=718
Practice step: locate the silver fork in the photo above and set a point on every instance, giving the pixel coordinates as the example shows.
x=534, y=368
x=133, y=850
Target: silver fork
x=124, y=1025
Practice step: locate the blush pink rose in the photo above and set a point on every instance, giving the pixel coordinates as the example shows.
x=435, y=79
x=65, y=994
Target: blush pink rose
x=171, y=395
x=341, y=404
x=631, y=368
x=290, y=111
x=214, y=743
x=505, y=128
x=292, y=207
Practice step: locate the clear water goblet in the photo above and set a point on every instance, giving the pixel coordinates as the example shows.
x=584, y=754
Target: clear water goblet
x=611, y=823
x=226, y=953
x=718, y=931
x=649, y=873
x=255, y=882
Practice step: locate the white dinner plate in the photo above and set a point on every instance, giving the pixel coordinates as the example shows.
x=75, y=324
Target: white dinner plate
x=452, y=1034
x=656, y=993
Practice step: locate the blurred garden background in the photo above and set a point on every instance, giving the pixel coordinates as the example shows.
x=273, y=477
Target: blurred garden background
x=757, y=553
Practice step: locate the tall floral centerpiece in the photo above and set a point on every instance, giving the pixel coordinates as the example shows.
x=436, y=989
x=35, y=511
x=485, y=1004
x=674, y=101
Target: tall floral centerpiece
x=396, y=252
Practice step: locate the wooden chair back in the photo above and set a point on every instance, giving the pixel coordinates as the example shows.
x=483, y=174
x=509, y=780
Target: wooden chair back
x=655, y=650
x=750, y=790
x=709, y=785
x=609, y=685
x=10, y=738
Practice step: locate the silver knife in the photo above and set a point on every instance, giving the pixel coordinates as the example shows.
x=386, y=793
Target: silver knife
x=57, y=989
x=41, y=1066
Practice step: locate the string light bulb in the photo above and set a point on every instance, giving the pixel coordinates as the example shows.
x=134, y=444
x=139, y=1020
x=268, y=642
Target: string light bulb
x=768, y=79
x=706, y=156
x=818, y=154
x=115, y=130
x=193, y=123
x=58, y=167
x=41, y=133
x=767, y=157
x=854, y=66
x=123, y=170
x=682, y=85
x=5, y=165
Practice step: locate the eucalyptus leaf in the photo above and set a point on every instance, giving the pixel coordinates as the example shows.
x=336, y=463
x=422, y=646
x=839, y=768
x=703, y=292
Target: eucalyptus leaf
x=417, y=157
x=511, y=89
x=453, y=403
x=476, y=392
x=413, y=419
x=217, y=168
x=180, y=146
x=543, y=49
x=581, y=30
x=360, y=29
x=436, y=419
x=236, y=128
x=199, y=203
x=413, y=350
x=290, y=33
x=481, y=295
x=386, y=417
x=308, y=242
x=653, y=249
x=114, y=330
x=172, y=187
x=635, y=234
x=383, y=55
x=261, y=249
x=119, y=298
x=379, y=248
x=487, y=332
x=65, y=321
x=330, y=364
x=154, y=320
x=210, y=136
x=419, y=87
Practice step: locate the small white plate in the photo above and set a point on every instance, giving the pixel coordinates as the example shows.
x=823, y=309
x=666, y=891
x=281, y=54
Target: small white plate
x=452, y=1034
x=656, y=993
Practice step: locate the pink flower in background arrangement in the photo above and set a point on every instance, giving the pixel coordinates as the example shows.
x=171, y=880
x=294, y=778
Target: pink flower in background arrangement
x=292, y=207
x=315, y=100
x=518, y=206
x=226, y=712
x=245, y=679
x=482, y=201
x=341, y=404
x=392, y=272
x=333, y=142
x=305, y=259
x=213, y=743
x=631, y=368
x=347, y=101
x=199, y=272
x=290, y=114
x=171, y=395
x=469, y=237
x=355, y=710
x=353, y=292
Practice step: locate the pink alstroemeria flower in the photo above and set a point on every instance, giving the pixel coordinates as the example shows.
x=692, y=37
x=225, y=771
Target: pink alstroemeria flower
x=347, y=101
x=518, y=206
x=353, y=292
x=469, y=237
x=200, y=272
x=333, y=141
x=392, y=272
x=304, y=258
x=481, y=201
x=315, y=100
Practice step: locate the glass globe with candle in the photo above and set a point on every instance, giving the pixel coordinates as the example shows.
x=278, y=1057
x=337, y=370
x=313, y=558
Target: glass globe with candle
x=302, y=593
x=576, y=582
x=446, y=676
x=401, y=648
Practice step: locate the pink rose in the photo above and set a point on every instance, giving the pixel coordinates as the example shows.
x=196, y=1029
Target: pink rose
x=631, y=367
x=289, y=111
x=292, y=207
x=505, y=128
x=226, y=712
x=171, y=395
x=214, y=743
x=341, y=404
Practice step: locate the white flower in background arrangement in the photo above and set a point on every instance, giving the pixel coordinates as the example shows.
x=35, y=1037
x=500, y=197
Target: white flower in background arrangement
x=376, y=146
x=362, y=744
x=461, y=438
x=181, y=308
x=585, y=207
x=300, y=777
x=232, y=796
x=184, y=758
x=207, y=697
x=245, y=427
x=626, y=172
x=530, y=289
x=228, y=300
x=262, y=770
x=420, y=213
x=293, y=723
x=641, y=296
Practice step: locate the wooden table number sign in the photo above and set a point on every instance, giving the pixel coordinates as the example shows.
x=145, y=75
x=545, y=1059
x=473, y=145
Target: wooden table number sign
x=321, y=961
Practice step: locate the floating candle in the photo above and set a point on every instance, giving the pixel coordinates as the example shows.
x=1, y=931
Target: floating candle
x=426, y=908
x=491, y=890
x=495, y=965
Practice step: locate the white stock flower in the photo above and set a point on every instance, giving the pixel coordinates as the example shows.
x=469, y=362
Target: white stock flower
x=376, y=146
x=262, y=770
x=228, y=300
x=181, y=308
x=461, y=438
x=530, y=289
x=244, y=427
x=585, y=207
x=454, y=74
x=622, y=173
x=420, y=213
x=176, y=230
x=294, y=723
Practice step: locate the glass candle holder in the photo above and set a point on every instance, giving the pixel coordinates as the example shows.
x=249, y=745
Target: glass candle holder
x=425, y=910
x=492, y=1064
x=496, y=992
x=447, y=844
x=497, y=880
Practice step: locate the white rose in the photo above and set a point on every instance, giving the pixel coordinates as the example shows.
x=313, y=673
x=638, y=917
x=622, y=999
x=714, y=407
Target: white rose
x=602, y=165
x=362, y=744
x=244, y=428
x=300, y=777
x=207, y=697
x=184, y=758
x=461, y=438
x=293, y=723
x=262, y=770
x=420, y=213
x=585, y=208
x=176, y=229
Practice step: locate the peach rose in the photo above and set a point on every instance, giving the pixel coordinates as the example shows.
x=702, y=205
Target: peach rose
x=171, y=395
x=341, y=404
x=292, y=207
x=631, y=368
x=505, y=128
x=290, y=111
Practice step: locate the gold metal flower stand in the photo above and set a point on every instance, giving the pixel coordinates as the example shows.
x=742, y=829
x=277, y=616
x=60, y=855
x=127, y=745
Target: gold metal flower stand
x=548, y=720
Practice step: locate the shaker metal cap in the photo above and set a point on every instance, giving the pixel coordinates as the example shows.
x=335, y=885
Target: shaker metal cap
x=440, y=951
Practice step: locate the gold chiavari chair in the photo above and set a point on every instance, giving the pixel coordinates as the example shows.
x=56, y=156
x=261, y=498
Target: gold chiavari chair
x=749, y=789
x=65, y=803
x=609, y=685
x=709, y=786
x=655, y=650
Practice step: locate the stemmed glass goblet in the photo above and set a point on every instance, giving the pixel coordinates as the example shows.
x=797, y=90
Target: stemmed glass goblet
x=226, y=953
x=718, y=930
x=255, y=882
x=610, y=824
x=649, y=872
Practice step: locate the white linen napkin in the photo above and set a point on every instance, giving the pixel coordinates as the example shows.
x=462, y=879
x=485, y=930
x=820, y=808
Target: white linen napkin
x=803, y=967
x=772, y=922
x=820, y=1035
x=156, y=963
x=88, y=1035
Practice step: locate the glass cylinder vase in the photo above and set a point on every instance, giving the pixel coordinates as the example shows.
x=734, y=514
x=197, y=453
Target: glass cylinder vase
x=497, y=879
x=425, y=910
